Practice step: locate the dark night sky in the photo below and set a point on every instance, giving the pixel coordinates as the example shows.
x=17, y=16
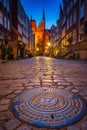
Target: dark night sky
x=35, y=7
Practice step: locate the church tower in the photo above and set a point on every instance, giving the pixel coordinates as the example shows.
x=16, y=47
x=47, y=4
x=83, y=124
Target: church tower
x=43, y=18
x=41, y=35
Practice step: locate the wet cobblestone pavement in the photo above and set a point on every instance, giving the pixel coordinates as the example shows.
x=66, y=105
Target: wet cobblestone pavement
x=21, y=75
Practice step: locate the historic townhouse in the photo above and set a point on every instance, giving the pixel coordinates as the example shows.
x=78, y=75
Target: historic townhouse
x=23, y=25
x=72, y=28
x=4, y=19
x=55, y=39
x=74, y=42
x=32, y=31
x=19, y=28
x=32, y=35
x=14, y=30
x=5, y=23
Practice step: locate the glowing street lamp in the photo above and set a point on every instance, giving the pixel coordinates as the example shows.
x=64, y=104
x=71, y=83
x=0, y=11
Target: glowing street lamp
x=37, y=49
x=48, y=44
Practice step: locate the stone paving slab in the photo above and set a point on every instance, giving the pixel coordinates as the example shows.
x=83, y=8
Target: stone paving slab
x=5, y=115
x=1, y=128
x=84, y=125
x=17, y=76
x=12, y=124
x=73, y=128
x=23, y=128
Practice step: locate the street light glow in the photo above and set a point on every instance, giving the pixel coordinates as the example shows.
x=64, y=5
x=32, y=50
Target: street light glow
x=48, y=43
x=37, y=49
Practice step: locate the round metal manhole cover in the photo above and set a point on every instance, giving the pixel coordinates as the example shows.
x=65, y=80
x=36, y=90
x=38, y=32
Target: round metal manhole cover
x=49, y=107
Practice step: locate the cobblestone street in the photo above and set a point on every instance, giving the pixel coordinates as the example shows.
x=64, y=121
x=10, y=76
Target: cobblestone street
x=20, y=75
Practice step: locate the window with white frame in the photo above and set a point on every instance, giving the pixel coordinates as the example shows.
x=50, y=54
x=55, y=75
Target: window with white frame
x=81, y=36
x=70, y=20
x=5, y=22
x=63, y=21
x=63, y=32
x=24, y=40
x=74, y=36
x=8, y=6
x=74, y=16
x=68, y=23
x=82, y=11
x=8, y=24
x=71, y=4
x=75, y=1
x=81, y=32
x=1, y=18
x=19, y=29
x=26, y=33
x=19, y=38
x=67, y=9
x=0, y=0
x=5, y=3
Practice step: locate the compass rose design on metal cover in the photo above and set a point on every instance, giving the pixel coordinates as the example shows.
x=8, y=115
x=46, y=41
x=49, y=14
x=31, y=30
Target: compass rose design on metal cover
x=49, y=107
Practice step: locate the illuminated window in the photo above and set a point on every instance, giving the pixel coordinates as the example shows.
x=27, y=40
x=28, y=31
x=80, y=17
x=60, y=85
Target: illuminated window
x=74, y=36
x=81, y=32
x=1, y=18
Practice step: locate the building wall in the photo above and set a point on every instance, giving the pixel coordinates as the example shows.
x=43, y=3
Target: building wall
x=55, y=39
x=14, y=24
x=71, y=32
x=5, y=26
x=4, y=19
x=19, y=29
x=31, y=37
x=14, y=20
